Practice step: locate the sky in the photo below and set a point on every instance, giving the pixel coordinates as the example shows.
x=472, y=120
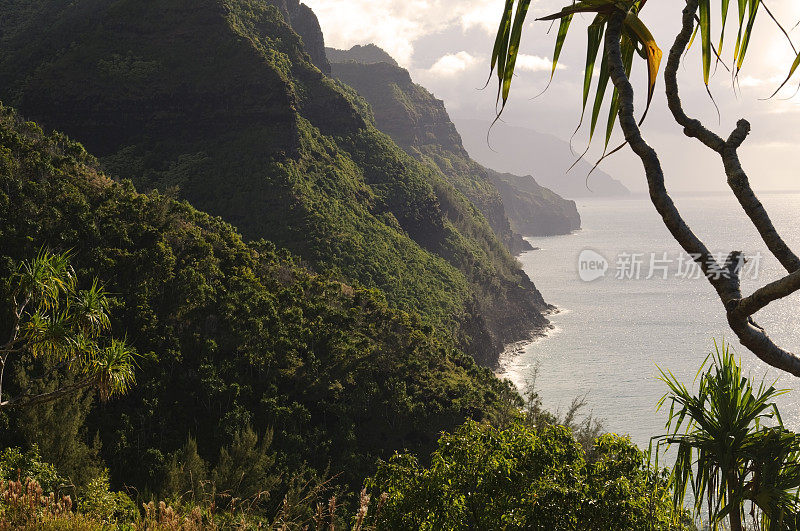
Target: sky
x=446, y=45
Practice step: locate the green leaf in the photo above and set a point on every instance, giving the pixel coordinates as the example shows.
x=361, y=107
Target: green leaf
x=563, y=28
x=742, y=5
x=595, y=38
x=513, y=46
x=753, y=6
x=602, y=84
x=723, y=20
x=501, y=41
x=705, y=37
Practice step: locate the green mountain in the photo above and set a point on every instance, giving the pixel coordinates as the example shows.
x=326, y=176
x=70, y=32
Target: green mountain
x=366, y=54
x=533, y=209
x=231, y=335
x=419, y=123
x=219, y=100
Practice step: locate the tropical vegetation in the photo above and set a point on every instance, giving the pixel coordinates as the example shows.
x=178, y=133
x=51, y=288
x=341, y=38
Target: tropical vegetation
x=733, y=453
x=231, y=337
x=59, y=326
x=312, y=373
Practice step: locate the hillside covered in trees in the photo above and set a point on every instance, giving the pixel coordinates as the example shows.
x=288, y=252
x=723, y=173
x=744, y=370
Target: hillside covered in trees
x=220, y=103
x=233, y=336
x=420, y=124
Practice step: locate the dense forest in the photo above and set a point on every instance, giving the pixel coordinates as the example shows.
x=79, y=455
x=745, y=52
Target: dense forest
x=172, y=95
x=232, y=335
x=314, y=306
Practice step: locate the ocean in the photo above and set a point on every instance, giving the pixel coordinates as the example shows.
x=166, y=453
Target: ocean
x=612, y=332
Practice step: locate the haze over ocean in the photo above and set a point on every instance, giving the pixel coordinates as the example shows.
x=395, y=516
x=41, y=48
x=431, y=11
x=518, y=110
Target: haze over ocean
x=612, y=332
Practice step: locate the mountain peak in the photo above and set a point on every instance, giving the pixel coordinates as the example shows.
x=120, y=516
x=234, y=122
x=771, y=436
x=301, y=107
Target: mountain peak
x=366, y=54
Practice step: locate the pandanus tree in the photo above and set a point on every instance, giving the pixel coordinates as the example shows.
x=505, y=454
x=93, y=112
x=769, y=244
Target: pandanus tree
x=733, y=453
x=65, y=330
x=618, y=26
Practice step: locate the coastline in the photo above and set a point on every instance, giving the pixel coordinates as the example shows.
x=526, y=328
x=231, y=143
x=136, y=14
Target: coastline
x=511, y=351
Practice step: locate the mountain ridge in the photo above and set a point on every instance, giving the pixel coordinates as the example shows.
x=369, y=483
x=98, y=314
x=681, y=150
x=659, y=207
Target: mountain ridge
x=525, y=151
x=221, y=101
x=420, y=124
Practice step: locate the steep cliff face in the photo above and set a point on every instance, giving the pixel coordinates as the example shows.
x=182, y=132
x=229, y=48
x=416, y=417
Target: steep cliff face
x=533, y=209
x=219, y=100
x=404, y=110
x=305, y=23
x=419, y=123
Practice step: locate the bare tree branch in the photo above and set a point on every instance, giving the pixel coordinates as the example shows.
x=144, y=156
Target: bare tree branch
x=769, y=293
x=29, y=399
x=737, y=178
x=727, y=285
x=652, y=165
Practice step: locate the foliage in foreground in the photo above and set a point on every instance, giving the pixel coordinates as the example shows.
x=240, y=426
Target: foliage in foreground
x=523, y=472
x=726, y=456
x=34, y=496
x=61, y=326
x=482, y=477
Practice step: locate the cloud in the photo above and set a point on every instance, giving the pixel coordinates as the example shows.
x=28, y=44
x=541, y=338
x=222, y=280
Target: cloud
x=453, y=63
x=750, y=81
x=483, y=14
x=395, y=25
x=534, y=63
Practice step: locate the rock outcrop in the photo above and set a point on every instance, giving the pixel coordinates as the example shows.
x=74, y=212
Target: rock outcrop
x=533, y=209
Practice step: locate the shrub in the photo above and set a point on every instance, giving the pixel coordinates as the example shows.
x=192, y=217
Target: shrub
x=483, y=477
x=18, y=465
x=100, y=503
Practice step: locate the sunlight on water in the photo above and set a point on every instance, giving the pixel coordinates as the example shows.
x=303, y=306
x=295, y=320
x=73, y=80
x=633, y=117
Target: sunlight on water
x=613, y=332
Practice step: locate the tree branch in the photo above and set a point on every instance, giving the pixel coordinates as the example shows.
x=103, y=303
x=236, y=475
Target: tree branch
x=738, y=181
x=652, y=165
x=769, y=293
x=28, y=399
x=727, y=286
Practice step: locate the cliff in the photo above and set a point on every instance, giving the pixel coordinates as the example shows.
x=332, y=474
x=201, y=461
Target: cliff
x=219, y=101
x=533, y=209
x=231, y=335
x=420, y=124
x=524, y=151
x=305, y=23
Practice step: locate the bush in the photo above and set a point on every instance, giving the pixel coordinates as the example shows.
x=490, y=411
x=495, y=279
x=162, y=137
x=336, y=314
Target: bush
x=100, y=503
x=483, y=477
x=20, y=466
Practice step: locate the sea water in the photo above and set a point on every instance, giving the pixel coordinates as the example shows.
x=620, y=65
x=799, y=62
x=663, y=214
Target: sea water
x=612, y=332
